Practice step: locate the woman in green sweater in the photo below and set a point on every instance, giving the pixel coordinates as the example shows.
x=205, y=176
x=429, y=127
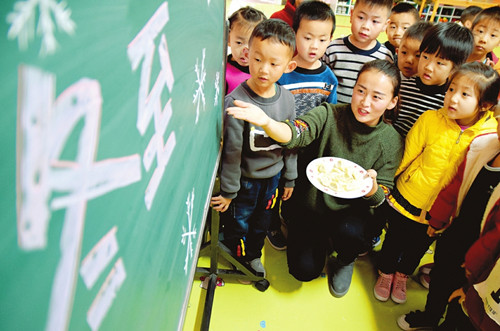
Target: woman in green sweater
x=320, y=224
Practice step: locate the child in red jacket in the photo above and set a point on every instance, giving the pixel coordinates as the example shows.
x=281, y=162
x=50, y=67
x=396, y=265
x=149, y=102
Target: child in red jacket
x=478, y=304
x=482, y=266
x=286, y=14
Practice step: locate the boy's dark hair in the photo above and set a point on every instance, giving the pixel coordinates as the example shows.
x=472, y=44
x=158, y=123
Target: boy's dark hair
x=417, y=31
x=486, y=78
x=405, y=7
x=390, y=70
x=276, y=30
x=313, y=11
x=246, y=15
x=382, y=3
x=492, y=13
x=469, y=13
x=450, y=41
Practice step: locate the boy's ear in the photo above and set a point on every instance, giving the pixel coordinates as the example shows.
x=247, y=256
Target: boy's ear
x=386, y=25
x=290, y=66
x=246, y=52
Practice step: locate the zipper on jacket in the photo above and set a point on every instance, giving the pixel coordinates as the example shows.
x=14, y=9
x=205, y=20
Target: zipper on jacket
x=458, y=139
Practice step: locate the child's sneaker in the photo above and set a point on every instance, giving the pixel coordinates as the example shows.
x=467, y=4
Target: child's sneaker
x=416, y=320
x=244, y=282
x=426, y=268
x=398, y=294
x=276, y=240
x=382, y=289
x=256, y=264
x=363, y=254
x=376, y=241
x=424, y=280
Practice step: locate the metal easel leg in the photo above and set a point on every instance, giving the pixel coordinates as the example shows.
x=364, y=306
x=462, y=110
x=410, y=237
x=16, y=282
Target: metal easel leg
x=214, y=248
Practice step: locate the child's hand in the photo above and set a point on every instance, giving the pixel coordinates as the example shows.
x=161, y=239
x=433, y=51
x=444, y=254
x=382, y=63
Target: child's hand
x=220, y=203
x=373, y=174
x=248, y=112
x=458, y=293
x=287, y=193
x=468, y=273
x=490, y=63
x=431, y=232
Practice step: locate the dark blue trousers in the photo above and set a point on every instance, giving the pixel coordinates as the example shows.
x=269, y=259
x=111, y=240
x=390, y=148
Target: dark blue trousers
x=248, y=217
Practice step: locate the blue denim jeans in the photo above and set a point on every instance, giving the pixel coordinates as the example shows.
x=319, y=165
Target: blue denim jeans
x=248, y=217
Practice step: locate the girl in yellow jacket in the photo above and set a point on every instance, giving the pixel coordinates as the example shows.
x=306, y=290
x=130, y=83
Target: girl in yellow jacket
x=434, y=148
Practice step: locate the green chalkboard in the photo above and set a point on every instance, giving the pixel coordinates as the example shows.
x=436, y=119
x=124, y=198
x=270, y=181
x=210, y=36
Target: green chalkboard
x=110, y=127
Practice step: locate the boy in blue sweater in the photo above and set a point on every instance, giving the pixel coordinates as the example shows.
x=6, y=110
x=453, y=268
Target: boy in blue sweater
x=312, y=82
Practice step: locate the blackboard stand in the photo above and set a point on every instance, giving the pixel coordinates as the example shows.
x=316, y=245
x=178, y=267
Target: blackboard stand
x=214, y=248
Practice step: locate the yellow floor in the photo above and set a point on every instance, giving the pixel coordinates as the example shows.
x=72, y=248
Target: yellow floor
x=292, y=305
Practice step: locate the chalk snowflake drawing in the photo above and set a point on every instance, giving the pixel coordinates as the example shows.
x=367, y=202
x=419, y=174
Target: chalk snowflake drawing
x=51, y=14
x=199, y=95
x=190, y=232
x=217, y=89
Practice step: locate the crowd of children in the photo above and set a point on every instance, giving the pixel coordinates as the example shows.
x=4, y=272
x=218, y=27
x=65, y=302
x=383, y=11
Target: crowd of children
x=419, y=112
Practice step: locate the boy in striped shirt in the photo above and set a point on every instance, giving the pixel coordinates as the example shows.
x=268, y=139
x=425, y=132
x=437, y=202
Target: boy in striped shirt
x=346, y=55
x=444, y=47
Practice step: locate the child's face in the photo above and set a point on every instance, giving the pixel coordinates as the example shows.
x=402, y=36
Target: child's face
x=268, y=60
x=238, y=41
x=408, y=56
x=398, y=23
x=312, y=38
x=371, y=96
x=461, y=101
x=366, y=24
x=433, y=69
x=486, y=37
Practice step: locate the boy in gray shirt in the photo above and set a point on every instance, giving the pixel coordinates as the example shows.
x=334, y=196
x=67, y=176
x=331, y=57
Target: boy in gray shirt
x=252, y=163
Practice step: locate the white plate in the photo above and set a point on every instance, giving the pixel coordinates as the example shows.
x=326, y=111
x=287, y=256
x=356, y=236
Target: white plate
x=363, y=186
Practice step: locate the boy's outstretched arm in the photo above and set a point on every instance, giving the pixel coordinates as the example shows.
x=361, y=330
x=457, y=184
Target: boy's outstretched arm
x=245, y=111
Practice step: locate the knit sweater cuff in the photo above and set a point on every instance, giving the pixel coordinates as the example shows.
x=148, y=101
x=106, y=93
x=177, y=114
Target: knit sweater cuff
x=228, y=195
x=376, y=199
